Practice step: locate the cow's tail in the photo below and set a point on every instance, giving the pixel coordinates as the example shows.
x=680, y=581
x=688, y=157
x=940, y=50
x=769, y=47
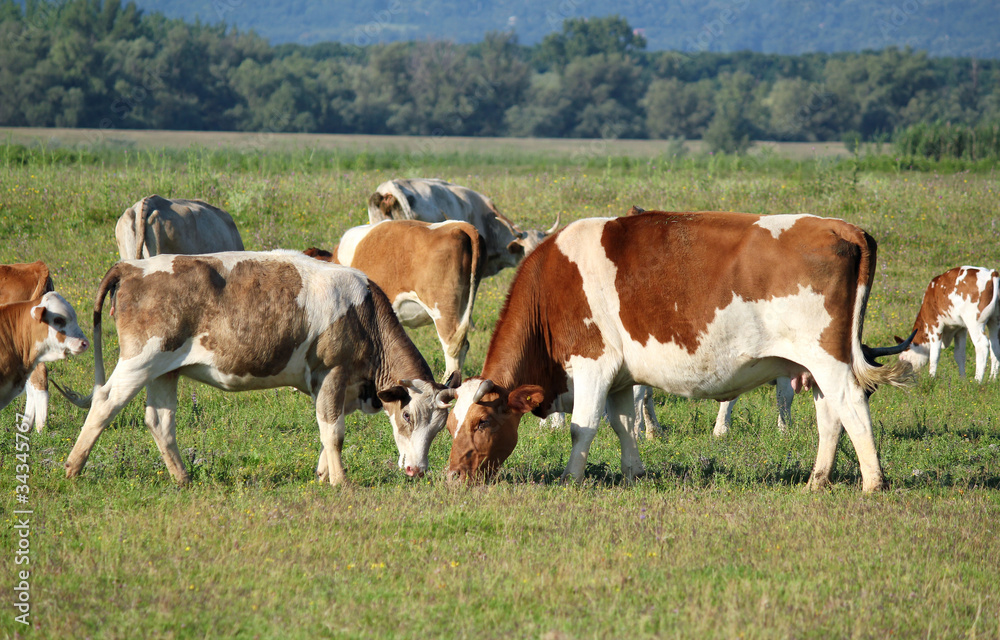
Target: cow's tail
x=141, y=216
x=108, y=285
x=476, y=272
x=869, y=373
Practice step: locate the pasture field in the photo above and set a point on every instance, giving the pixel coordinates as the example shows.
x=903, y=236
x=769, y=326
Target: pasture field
x=720, y=540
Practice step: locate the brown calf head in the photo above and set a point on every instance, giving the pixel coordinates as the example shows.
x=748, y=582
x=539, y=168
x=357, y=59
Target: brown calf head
x=319, y=254
x=57, y=332
x=484, y=426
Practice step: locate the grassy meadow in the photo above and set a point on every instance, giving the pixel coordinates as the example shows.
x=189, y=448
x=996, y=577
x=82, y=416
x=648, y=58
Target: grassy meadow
x=721, y=540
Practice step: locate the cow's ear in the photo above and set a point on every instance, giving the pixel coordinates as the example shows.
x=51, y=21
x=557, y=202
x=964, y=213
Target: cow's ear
x=516, y=248
x=455, y=381
x=38, y=313
x=898, y=339
x=394, y=394
x=525, y=398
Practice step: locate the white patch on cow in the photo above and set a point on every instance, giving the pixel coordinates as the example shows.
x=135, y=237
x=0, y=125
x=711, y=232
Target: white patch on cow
x=350, y=240
x=157, y=264
x=463, y=401
x=777, y=224
x=438, y=225
x=412, y=311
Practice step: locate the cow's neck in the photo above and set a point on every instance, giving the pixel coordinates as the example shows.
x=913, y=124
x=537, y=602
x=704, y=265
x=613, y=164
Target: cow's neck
x=16, y=340
x=398, y=358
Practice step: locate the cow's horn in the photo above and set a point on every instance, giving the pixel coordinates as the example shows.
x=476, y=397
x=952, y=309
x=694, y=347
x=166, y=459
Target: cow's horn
x=444, y=397
x=881, y=352
x=553, y=228
x=484, y=388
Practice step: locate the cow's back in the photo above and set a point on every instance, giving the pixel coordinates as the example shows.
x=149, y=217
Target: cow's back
x=24, y=281
x=176, y=227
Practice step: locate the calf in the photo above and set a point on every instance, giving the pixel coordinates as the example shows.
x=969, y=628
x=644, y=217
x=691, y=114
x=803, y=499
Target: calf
x=703, y=305
x=241, y=321
x=959, y=302
x=28, y=282
x=433, y=280
x=33, y=331
x=156, y=225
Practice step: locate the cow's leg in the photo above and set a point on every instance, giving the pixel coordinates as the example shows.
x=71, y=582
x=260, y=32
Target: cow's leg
x=621, y=414
x=982, y=346
x=934, y=356
x=37, y=392
x=725, y=418
x=588, y=405
x=454, y=341
x=124, y=383
x=645, y=410
x=857, y=421
x=993, y=335
x=785, y=394
x=554, y=420
x=332, y=425
x=960, y=351
x=161, y=411
x=828, y=424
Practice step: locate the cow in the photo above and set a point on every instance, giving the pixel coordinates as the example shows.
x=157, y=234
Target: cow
x=244, y=320
x=43, y=329
x=433, y=200
x=702, y=305
x=29, y=281
x=155, y=225
x=959, y=302
x=433, y=281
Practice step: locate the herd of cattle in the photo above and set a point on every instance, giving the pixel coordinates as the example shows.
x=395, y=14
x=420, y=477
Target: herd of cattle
x=702, y=305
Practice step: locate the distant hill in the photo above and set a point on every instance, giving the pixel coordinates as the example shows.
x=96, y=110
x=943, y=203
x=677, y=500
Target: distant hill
x=941, y=27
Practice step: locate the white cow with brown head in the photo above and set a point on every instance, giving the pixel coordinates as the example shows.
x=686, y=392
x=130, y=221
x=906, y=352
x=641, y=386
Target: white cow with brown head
x=241, y=321
x=960, y=302
x=433, y=200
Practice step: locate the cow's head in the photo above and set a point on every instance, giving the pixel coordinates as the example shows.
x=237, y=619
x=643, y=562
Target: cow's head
x=525, y=242
x=484, y=425
x=418, y=410
x=918, y=355
x=57, y=323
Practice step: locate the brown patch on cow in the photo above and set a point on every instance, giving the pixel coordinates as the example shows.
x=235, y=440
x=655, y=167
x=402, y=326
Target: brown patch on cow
x=250, y=316
x=731, y=258
x=934, y=304
x=24, y=281
x=987, y=295
x=634, y=211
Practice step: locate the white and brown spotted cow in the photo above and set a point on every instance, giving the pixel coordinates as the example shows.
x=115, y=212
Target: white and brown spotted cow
x=433, y=200
x=703, y=305
x=959, y=302
x=434, y=280
x=155, y=225
x=241, y=321
x=43, y=329
x=28, y=281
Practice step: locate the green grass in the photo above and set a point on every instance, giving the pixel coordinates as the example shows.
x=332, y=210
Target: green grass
x=719, y=541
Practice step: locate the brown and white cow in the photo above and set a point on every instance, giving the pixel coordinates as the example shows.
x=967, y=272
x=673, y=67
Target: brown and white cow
x=241, y=321
x=27, y=281
x=704, y=305
x=43, y=329
x=959, y=302
x=155, y=225
x=433, y=200
x=430, y=272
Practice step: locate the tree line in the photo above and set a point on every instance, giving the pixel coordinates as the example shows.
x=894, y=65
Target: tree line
x=105, y=65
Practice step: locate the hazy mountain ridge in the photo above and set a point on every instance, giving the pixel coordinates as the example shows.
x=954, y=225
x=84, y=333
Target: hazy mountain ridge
x=941, y=27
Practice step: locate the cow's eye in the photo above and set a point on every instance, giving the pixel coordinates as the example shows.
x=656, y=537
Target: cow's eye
x=59, y=323
x=406, y=416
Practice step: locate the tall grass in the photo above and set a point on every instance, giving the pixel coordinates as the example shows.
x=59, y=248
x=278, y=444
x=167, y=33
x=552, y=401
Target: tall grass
x=946, y=140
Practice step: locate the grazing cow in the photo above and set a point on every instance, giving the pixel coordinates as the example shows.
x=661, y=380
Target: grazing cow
x=958, y=302
x=155, y=226
x=29, y=281
x=241, y=321
x=703, y=305
x=434, y=280
x=434, y=200
x=43, y=329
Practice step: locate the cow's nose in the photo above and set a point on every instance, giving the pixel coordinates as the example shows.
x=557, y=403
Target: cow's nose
x=414, y=472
